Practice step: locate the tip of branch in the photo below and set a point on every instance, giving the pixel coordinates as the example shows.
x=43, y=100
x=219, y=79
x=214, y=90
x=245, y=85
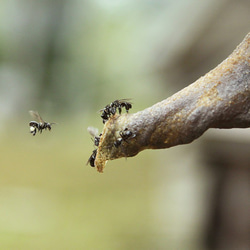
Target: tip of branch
x=110, y=145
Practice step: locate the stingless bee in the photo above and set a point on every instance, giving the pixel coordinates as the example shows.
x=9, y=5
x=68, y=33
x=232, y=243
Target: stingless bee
x=91, y=160
x=124, y=136
x=38, y=125
x=94, y=133
x=111, y=108
x=119, y=104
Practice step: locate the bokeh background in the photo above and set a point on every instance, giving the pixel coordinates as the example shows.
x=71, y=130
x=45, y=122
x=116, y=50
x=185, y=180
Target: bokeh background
x=68, y=59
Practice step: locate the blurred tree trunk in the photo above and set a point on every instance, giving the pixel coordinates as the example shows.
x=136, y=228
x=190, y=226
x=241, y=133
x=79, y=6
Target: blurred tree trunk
x=229, y=217
x=52, y=52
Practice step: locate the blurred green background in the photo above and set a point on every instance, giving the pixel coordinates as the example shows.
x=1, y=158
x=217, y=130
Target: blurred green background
x=67, y=60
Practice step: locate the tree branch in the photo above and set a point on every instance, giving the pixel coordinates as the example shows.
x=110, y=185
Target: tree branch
x=220, y=99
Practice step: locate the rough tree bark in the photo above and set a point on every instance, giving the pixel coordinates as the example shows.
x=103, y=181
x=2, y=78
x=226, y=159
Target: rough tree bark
x=220, y=99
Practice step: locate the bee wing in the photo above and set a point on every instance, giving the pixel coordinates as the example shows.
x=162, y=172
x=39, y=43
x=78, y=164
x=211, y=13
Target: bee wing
x=35, y=115
x=93, y=131
x=126, y=100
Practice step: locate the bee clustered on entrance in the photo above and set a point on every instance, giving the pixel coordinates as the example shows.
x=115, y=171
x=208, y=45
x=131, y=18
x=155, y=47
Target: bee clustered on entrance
x=106, y=113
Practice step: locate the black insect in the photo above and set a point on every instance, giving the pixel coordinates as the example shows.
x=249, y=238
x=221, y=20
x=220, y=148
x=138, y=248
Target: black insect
x=119, y=104
x=106, y=113
x=91, y=160
x=124, y=136
x=94, y=132
x=38, y=125
x=111, y=108
x=118, y=142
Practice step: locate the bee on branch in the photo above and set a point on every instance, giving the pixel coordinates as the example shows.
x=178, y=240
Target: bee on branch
x=91, y=160
x=125, y=135
x=94, y=133
x=108, y=111
x=112, y=108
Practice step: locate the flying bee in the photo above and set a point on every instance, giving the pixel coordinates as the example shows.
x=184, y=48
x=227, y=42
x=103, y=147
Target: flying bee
x=91, y=160
x=124, y=136
x=111, y=108
x=38, y=125
x=94, y=132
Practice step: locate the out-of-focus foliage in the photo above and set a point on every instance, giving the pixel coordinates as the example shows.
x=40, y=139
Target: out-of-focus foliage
x=74, y=55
